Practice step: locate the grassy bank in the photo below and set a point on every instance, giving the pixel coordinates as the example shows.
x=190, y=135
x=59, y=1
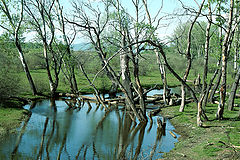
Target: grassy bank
x=101, y=83
x=216, y=140
x=11, y=116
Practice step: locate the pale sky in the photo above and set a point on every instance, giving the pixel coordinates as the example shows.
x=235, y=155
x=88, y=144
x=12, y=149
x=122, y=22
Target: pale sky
x=169, y=6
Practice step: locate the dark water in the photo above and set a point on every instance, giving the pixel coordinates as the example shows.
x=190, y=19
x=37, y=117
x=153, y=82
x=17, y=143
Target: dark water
x=54, y=132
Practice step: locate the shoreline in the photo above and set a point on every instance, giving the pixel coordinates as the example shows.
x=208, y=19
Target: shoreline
x=11, y=116
x=215, y=140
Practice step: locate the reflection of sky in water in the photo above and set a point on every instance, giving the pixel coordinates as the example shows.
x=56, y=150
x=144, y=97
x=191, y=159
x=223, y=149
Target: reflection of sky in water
x=74, y=133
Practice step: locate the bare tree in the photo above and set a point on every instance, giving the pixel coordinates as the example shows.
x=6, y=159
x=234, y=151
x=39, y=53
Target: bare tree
x=69, y=63
x=233, y=91
x=15, y=25
x=94, y=27
x=236, y=65
x=188, y=55
x=205, y=70
x=42, y=21
x=219, y=114
x=159, y=62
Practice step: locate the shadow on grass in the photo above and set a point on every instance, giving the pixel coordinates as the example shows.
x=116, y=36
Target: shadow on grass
x=235, y=119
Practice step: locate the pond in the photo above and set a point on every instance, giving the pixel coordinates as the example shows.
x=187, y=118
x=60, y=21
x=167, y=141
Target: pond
x=53, y=131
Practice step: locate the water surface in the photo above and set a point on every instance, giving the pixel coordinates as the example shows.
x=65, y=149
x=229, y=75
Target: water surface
x=53, y=131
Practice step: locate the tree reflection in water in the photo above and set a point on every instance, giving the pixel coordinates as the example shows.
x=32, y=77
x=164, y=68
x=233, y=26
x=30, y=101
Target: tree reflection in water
x=57, y=131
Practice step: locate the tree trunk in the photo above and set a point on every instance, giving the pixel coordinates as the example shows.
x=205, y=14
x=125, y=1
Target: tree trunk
x=239, y=114
x=51, y=83
x=25, y=67
x=199, y=113
x=18, y=44
x=219, y=114
x=236, y=67
x=215, y=87
x=204, y=92
x=171, y=69
x=70, y=66
x=189, y=57
x=163, y=77
x=126, y=82
x=181, y=109
x=236, y=57
x=237, y=44
x=205, y=100
x=139, y=89
x=233, y=91
x=74, y=80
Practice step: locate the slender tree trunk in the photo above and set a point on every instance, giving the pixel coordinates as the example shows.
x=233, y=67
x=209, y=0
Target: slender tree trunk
x=206, y=98
x=51, y=83
x=124, y=60
x=172, y=70
x=215, y=87
x=219, y=114
x=114, y=86
x=163, y=77
x=160, y=65
x=70, y=64
x=199, y=113
x=25, y=67
x=15, y=27
x=236, y=57
x=205, y=70
x=139, y=88
x=236, y=66
x=181, y=109
x=135, y=59
x=75, y=86
x=233, y=91
x=189, y=57
x=237, y=44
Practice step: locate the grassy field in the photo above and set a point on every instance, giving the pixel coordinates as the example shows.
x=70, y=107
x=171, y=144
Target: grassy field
x=101, y=82
x=216, y=140
x=11, y=116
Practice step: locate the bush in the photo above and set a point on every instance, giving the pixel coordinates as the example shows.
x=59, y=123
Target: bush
x=9, y=82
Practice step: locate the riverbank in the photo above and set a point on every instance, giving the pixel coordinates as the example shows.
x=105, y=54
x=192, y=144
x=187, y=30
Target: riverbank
x=216, y=140
x=11, y=116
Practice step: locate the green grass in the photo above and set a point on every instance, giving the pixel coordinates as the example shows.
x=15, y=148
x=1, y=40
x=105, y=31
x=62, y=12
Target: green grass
x=195, y=142
x=10, y=118
x=204, y=143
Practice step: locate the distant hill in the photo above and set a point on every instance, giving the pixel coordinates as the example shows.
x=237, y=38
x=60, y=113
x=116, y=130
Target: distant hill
x=81, y=47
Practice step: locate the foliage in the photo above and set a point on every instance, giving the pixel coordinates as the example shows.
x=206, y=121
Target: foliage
x=8, y=67
x=179, y=39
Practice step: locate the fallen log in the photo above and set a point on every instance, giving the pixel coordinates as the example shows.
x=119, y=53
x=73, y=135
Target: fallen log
x=88, y=98
x=115, y=99
x=174, y=136
x=67, y=95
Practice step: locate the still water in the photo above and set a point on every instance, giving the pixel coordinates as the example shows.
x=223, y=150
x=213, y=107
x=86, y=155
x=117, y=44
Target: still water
x=52, y=131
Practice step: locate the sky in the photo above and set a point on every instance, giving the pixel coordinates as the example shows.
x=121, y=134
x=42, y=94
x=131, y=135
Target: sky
x=169, y=7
